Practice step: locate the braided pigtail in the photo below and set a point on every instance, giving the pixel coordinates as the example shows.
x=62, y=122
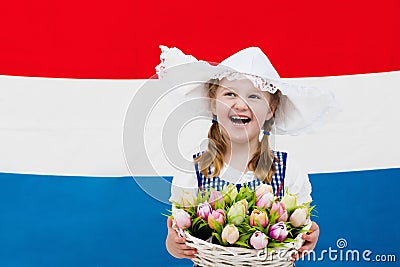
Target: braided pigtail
x=217, y=146
x=263, y=158
x=262, y=162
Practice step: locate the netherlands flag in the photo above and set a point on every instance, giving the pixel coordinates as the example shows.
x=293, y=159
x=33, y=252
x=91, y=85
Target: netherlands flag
x=69, y=71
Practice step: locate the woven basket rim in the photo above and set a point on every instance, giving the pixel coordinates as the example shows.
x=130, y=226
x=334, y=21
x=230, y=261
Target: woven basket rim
x=307, y=226
x=211, y=255
x=230, y=249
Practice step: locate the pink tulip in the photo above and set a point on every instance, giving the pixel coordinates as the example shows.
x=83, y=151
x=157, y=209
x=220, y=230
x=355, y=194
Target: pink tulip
x=259, y=217
x=262, y=189
x=230, y=234
x=259, y=240
x=278, y=231
x=216, y=216
x=203, y=210
x=182, y=219
x=265, y=200
x=279, y=209
x=215, y=197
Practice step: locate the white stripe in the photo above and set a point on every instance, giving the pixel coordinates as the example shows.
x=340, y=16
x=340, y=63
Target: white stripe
x=63, y=126
x=363, y=136
x=74, y=126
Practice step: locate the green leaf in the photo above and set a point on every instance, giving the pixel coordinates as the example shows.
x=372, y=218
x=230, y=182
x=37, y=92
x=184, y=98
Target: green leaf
x=189, y=231
x=245, y=226
x=252, y=203
x=216, y=225
x=245, y=237
x=242, y=244
x=276, y=244
x=288, y=240
x=218, y=237
x=199, y=198
x=220, y=204
x=196, y=221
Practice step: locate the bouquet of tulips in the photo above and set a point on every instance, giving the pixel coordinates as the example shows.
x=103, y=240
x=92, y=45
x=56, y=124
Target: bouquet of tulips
x=245, y=218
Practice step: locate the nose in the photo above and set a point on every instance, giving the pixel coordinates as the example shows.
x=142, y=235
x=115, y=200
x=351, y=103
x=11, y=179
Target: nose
x=240, y=104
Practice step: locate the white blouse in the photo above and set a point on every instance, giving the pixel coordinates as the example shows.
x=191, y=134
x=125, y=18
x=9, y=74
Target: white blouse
x=296, y=181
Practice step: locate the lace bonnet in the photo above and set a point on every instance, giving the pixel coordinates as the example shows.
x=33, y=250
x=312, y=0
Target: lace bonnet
x=301, y=108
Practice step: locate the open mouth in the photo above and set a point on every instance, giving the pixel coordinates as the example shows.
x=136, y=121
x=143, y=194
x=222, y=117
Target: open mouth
x=240, y=120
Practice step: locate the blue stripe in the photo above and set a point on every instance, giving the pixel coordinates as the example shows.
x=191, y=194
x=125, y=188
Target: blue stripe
x=48, y=221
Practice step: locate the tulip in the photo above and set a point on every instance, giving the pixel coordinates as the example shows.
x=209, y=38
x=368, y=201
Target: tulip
x=203, y=210
x=265, y=201
x=230, y=234
x=215, y=197
x=229, y=192
x=259, y=217
x=216, y=216
x=245, y=204
x=237, y=212
x=278, y=231
x=182, y=219
x=290, y=201
x=279, y=210
x=188, y=200
x=262, y=189
x=259, y=240
x=298, y=217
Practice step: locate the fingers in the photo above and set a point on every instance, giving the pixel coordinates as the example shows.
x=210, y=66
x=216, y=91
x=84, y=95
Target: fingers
x=299, y=255
x=179, y=239
x=307, y=248
x=313, y=235
x=304, y=250
x=189, y=253
x=311, y=242
x=181, y=243
x=176, y=245
x=314, y=227
x=311, y=239
x=179, y=248
x=169, y=223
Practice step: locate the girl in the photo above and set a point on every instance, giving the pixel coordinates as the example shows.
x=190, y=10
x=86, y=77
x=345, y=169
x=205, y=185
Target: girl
x=247, y=101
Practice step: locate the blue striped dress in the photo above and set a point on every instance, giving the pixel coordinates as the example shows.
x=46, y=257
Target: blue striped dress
x=277, y=183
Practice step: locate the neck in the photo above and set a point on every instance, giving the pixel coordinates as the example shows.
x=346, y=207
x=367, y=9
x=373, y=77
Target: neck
x=239, y=155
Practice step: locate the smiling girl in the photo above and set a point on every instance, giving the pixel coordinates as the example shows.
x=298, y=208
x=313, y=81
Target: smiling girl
x=248, y=101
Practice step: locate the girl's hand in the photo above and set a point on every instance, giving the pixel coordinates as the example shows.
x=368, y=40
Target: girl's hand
x=176, y=245
x=311, y=239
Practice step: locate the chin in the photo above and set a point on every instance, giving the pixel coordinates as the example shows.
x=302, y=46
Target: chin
x=240, y=139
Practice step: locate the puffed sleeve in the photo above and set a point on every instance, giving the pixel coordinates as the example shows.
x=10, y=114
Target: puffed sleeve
x=183, y=186
x=297, y=181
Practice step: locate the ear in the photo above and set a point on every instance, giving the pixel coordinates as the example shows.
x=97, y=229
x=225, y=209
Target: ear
x=270, y=114
x=271, y=109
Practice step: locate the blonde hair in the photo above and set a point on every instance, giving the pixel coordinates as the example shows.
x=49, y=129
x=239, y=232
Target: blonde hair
x=261, y=162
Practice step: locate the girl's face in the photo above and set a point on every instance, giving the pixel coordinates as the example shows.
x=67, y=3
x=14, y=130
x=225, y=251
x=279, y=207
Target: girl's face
x=241, y=110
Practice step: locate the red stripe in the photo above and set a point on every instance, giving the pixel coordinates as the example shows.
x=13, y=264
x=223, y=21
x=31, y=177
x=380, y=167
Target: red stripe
x=85, y=39
x=279, y=189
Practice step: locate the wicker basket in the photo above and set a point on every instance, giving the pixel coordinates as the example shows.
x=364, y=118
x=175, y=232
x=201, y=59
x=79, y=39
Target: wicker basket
x=212, y=255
